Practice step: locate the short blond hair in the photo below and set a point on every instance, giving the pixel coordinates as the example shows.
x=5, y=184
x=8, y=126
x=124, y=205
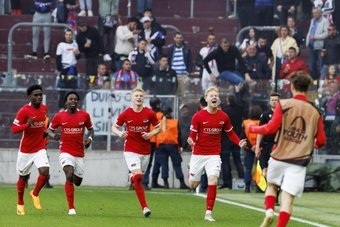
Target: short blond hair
x=138, y=89
x=211, y=89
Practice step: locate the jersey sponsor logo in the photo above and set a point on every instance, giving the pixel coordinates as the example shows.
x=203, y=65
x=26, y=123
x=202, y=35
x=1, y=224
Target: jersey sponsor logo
x=296, y=131
x=205, y=122
x=38, y=124
x=212, y=130
x=138, y=128
x=73, y=130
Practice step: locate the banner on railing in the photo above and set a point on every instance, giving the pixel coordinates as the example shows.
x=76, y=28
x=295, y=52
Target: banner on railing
x=100, y=103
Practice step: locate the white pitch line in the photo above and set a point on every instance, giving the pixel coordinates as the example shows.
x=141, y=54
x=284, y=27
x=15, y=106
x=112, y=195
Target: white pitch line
x=262, y=211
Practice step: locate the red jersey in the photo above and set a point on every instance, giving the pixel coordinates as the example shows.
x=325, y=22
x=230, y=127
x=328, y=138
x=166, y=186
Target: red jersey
x=136, y=123
x=72, y=131
x=33, y=136
x=206, y=130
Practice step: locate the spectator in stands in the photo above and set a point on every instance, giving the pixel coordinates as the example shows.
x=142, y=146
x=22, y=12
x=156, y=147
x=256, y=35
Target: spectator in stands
x=331, y=50
x=306, y=8
x=327, y=8
x=102, y=76
x=253, y=120
x=293, y=64
x=154, y=22
x=280, y=49
x=169, y=144
x=332, y=74
x=256, y=66
x=264, y=51
x=317, y=33
x=91, y=45
x=235, y=113
x=126, y=40
x=71, y=7
x=245, y=12
x=142, y=5
x=225, y=56
x=180, y=60
x=42, y=15
x=184, y=124
x=336, y=15
x=294, y=31
x=66, y=60
x=142, y=62
x=264, y=12
x=164, y=79
x=125, y=78
x=250, y=39
x=155, y=38
x=16, y=7
x=286, y=8
x=85, y=7
x=107, y=24
x=211, y=45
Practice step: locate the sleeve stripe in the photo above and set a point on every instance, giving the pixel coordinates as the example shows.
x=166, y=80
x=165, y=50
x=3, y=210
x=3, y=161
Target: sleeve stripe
x=16, y=124
x=194, y=130
x=229, y=130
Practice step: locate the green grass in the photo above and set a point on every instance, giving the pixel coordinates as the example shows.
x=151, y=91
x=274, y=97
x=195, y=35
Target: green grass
x=103, y=206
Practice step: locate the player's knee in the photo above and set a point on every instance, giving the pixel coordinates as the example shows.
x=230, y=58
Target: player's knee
x=194, y=184
x=44, y=171
x=212, y=180
x=137, y=178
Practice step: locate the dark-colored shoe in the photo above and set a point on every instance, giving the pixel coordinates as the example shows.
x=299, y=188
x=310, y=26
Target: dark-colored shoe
x=146, y=187
x=32, y=55
x=166, y=185
x=47, y=56
x=156, y=185
x=247, y=189
x=224, y=186
x=183, y=186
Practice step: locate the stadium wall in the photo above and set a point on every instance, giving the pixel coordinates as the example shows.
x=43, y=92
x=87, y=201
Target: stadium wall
x=102, y=168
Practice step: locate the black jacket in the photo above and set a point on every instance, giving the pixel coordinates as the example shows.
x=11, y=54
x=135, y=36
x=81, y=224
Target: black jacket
x=96, y=42
x=164, y=82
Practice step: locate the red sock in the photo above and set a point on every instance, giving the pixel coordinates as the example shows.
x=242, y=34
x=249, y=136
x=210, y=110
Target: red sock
x=283, y=219
x=69, y=190
x=137, y=179
x=40, y=183
x=21, y=190
x=269, y=202
x=211, y=196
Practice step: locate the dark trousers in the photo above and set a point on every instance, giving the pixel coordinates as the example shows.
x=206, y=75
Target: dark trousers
x=265, y=154
x=162, y=154
x=107, y=35
x=246, y=16
x=226, y=167
x=91, y=65
x=314, y=63
x=248, y=164
x=264, y=15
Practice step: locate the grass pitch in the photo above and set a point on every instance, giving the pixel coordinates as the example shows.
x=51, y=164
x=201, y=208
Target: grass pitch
x=103, y=206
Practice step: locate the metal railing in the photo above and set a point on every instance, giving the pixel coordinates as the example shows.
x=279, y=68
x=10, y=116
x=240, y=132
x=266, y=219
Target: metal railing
x=9, y=80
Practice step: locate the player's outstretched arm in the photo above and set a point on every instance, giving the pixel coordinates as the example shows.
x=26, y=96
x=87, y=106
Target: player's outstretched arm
x=51, y=133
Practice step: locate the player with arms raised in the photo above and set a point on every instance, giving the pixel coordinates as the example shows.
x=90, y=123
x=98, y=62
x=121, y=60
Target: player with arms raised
x=72, y=122
x=206, y=129
x=137, y=120
x=30, y=120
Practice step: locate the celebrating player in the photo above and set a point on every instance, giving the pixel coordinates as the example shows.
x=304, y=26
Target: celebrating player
x=300, y=129
x=137, y=120
x=72, y=122
x=30, y=120
x=206, y=129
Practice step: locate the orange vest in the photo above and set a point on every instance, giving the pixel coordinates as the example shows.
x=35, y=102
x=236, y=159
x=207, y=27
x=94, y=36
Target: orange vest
x=154, y=139
x=250, y=136
x=170, y=136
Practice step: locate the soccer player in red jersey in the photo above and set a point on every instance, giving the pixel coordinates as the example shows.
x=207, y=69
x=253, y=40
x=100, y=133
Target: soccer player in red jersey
x=137, y=120
x=299, y=128
x=206, y=129
x=30, y=120
x=72, y=122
